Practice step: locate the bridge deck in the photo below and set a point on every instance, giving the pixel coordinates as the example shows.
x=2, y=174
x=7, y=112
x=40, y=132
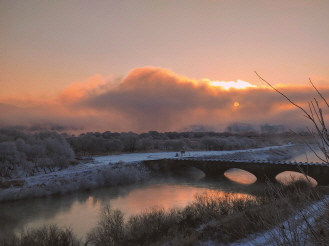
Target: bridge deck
x=254, y=161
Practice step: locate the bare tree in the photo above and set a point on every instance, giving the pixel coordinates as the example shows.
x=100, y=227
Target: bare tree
x=315, y=115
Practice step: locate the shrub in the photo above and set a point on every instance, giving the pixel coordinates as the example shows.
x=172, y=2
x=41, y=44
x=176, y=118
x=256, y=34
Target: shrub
x=110, y=229
x=48, y=235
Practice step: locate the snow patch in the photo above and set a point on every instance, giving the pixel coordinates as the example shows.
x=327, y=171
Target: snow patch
x=110, y=170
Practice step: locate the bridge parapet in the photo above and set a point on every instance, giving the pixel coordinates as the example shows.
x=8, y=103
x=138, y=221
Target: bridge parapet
x=252, y=161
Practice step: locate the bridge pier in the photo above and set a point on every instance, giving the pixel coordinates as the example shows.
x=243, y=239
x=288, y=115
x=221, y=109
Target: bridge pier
x=266, y=178
x=219, y=172
x=323, y=181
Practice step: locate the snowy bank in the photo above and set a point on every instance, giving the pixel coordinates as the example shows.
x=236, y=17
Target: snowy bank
x=117, y=170
x=296, y=230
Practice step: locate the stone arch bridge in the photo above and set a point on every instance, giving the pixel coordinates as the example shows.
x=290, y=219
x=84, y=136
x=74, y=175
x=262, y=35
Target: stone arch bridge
x=263, y=170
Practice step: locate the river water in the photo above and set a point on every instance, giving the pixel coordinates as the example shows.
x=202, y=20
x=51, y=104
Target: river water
x=308, y=156
x=80, y=210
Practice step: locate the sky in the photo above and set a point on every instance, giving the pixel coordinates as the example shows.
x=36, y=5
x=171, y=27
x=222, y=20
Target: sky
x=159, y=65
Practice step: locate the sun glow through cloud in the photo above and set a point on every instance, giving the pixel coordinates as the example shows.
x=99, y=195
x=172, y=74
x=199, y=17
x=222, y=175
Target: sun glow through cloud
x=239, y=84
x=99, y=103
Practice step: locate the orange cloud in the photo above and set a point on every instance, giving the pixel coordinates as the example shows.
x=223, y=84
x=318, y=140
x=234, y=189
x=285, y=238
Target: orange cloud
x=155, y=98
x=150, y=98
x=78, y=90
x=239, y=84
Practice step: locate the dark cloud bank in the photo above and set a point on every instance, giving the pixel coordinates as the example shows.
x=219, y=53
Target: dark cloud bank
x=157, y=99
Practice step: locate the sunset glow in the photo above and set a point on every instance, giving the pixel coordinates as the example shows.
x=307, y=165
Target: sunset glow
x=239, y=84
x=144, y=105
x=67, y=64
x=153, y=93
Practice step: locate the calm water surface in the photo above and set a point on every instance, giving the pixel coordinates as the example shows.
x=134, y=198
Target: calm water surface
x=80, y=210
x=308, y=156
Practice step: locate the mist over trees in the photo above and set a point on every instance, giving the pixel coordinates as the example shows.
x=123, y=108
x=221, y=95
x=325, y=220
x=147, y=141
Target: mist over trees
x=237, y=136
x=263, y=128
x=241, y=127
x=24, y=154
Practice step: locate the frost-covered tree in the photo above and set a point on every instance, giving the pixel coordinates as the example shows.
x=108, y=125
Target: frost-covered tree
x=9, y=159
x=174, y=145
x=145, y=143
x=58, y=151
x=113, y=145
x=209, y=143
x=129, y=141
x=241, y=127
x=272, y=128
x=26, y=154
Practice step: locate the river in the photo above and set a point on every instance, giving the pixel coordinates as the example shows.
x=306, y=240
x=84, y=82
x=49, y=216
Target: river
x=308, y=156
x=80, y=210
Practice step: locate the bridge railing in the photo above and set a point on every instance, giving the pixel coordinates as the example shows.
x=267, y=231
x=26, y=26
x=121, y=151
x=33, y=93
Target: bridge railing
x=253, y=161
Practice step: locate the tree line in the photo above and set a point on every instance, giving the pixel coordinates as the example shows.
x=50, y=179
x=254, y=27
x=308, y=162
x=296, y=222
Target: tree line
x=25, y=154
x=237, y=136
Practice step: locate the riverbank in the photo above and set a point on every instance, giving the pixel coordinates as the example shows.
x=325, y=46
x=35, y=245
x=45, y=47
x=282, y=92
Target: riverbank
x=116, y=170
x=195, y=223
x=271, y=215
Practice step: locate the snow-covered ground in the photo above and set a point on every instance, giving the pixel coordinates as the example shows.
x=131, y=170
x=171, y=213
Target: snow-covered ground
x=290, y=232
x=113, y=170
x=123, y=169
x=259, y=153
x=293, y=231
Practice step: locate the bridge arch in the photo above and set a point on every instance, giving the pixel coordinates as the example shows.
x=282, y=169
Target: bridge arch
x=288, y=176
x=188, y=171
x=240, y=175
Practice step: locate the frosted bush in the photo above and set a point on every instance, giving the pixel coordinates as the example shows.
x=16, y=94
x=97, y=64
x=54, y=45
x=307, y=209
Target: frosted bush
x=107, y=175
x=29, y=154
x=86, y=184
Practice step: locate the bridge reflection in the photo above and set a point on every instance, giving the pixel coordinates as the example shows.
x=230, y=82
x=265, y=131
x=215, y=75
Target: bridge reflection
x=240, y=176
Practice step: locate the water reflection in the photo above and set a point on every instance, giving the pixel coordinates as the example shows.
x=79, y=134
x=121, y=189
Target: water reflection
x=80, y=210
x=288, y=176
x=240, y=176
x=308, y=156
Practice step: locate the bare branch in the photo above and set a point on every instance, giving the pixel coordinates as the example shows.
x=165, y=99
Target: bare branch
x=319, y=93
x=316, y=116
